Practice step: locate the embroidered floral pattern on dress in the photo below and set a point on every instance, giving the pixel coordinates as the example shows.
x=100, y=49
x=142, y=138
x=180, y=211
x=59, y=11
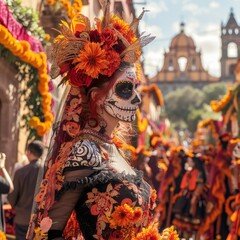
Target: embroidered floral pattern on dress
x=118, y=205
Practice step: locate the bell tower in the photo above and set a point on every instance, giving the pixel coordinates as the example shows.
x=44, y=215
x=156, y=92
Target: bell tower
x=230, y=37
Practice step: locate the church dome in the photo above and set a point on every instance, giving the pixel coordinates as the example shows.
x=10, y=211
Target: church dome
x=182, y=41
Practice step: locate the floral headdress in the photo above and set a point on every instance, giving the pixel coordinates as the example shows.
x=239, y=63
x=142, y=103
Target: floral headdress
x=82, y=55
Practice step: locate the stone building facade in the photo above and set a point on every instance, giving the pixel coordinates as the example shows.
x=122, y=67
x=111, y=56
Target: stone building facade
x=183, y=65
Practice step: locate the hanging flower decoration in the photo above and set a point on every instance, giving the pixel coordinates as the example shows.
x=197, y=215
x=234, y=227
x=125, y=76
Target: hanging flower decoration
x=22, y=50
x=71, y=8
x=229, y=106
x=219, y=105
x=158, y=92
x=209, y=123
x=2, y=235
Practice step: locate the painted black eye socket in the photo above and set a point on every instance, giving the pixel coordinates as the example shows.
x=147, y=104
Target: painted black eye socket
x=124, y=89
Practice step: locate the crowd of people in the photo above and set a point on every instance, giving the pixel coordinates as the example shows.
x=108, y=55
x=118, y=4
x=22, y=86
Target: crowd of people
x=197, y=188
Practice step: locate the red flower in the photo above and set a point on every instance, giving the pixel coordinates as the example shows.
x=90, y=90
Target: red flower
x=108, y=37
x=119, y=47
x=78, y=78
x=64, y=67
x=94, y=36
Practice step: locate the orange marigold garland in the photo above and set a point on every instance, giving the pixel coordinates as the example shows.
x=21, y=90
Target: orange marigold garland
x=22, y=50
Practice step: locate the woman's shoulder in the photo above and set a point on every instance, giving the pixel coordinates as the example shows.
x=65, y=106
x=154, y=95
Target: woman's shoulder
x=84, y=153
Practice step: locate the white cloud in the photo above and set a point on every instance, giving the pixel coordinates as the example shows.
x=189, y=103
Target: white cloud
x=214, y=4
x=155, y=30
x=209, y=43
x=194, y=9
x=153, y=60
x=154, y=7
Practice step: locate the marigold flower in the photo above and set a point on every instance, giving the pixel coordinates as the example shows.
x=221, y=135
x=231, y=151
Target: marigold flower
x=169, y=234
x=92, y=59
x=122, y=215
x=120, y=25
x=137, y=214
x=34, y=122
x=150, y=233
x=114, y=61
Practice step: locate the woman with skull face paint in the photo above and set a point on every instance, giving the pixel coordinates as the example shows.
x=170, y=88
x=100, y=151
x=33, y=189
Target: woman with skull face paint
x=89, y=189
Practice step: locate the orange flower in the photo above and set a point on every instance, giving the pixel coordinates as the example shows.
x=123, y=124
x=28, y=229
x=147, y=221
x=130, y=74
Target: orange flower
x=92, y=59
x=122, y=215
x=150, y=233
x=114, y=61
x=34, y=122
x=2, y=235
x=137, y=214
x=120, y=25
x=169, y=233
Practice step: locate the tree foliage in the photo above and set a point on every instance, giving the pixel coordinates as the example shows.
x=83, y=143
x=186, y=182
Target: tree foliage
x=188, y=106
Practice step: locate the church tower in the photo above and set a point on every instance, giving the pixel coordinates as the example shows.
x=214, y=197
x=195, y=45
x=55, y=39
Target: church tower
x=182, y=65
x=230, y=36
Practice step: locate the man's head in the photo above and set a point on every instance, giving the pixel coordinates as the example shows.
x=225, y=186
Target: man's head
x=35, y=150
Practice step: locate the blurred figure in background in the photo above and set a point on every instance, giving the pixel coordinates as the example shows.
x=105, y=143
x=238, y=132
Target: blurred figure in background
x=6, y=186
x=25, y=178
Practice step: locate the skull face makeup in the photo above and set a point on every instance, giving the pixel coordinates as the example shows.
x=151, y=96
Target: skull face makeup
x=236, y=151
x=122, y=100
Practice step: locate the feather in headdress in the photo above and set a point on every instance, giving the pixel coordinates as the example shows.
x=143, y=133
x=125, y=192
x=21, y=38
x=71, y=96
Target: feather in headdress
x=135, y=22
x=106, y=12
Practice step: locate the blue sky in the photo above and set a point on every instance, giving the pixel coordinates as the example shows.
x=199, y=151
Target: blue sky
x=202, y=20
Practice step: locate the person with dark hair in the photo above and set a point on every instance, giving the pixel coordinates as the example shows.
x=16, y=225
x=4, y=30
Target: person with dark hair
x=25, y=178
x=6, y=186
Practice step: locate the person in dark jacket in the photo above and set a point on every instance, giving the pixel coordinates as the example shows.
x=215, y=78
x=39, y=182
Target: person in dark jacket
x=25, y=178
x=6, y=186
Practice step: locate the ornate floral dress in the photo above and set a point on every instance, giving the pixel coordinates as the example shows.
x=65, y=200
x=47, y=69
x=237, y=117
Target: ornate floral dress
x=114, y=202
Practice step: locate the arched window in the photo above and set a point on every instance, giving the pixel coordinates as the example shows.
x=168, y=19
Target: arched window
x=182, y=63
x=170, y=66
x=194, y=67
x=232, y=50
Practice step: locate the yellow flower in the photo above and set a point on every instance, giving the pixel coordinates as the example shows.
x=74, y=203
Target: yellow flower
x=92, y=59
x=169, y=234
x=150, y=233
x=34, y=122
x=2, y=235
